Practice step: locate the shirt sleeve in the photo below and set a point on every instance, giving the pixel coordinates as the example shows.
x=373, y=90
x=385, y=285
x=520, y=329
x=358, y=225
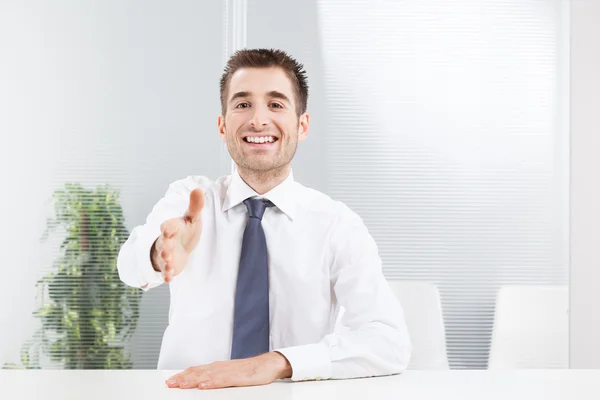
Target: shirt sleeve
x=376, y=340
x=133, y=263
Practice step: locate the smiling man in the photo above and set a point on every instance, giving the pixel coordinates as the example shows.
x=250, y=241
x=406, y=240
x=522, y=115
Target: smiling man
x=259, y=265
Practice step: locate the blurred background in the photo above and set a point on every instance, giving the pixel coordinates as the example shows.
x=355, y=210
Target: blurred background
x=444, y=124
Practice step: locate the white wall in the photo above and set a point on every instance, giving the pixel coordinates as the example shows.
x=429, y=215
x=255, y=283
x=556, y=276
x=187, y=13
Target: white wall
x=124, y=93
x=585, y=184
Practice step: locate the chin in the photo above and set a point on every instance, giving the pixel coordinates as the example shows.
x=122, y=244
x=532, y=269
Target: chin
x=261, y=166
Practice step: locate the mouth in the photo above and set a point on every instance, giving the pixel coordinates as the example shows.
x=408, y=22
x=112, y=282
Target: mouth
x=260, y=141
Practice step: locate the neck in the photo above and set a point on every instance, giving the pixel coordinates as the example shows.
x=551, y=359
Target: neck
x=263, y=181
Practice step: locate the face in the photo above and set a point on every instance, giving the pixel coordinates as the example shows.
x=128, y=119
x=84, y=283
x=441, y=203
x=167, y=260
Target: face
x=261, y=126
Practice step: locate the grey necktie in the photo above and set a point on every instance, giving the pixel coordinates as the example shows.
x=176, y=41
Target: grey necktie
x=251, y=314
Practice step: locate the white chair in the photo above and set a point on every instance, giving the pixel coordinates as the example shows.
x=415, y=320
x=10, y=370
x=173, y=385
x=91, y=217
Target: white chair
x=531, y=328
x=423, y=315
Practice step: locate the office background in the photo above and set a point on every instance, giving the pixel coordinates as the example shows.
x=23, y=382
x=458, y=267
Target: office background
x=452, y=119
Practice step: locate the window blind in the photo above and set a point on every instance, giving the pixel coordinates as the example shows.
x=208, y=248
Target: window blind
x=448, y=136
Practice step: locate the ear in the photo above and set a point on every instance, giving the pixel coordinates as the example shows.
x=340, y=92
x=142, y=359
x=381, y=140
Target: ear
x=303, y=125
x=221, y=124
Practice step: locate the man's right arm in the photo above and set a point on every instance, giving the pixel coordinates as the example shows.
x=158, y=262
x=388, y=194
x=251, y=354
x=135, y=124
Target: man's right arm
x=136, y=264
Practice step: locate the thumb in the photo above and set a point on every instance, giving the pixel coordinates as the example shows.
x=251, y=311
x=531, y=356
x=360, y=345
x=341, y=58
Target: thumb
x=195, y=207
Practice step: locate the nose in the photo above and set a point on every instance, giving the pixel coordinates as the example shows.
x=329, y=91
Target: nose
x=259, y=119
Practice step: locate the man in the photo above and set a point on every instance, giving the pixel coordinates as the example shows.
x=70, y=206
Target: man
x=259, y=265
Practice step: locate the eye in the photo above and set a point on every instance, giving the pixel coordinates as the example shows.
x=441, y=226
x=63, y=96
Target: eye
x=276, y=105
x=242, y=105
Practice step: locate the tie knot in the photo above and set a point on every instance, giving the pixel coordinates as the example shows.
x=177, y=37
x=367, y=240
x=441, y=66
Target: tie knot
x=256, y=207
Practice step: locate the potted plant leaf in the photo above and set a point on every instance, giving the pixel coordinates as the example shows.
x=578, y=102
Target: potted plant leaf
x=87, y=314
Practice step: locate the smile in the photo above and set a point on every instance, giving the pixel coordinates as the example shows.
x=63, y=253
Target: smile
x=260, y=139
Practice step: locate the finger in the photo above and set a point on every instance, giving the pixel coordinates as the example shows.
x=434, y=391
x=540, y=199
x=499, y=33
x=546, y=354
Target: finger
x=219, y=377
x=175, y=380
x=169, y=228
x=194, y=379
x=169, y=266
x=213, y=383
x=166, y=248
x=196, y=205
x=166, y=268
x=164, y=255
x=167, y=272
x=168, y=256
x=180, y=376
x=188, y=379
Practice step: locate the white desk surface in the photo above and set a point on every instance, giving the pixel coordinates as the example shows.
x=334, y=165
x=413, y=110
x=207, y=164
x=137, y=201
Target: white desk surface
x=412, y=385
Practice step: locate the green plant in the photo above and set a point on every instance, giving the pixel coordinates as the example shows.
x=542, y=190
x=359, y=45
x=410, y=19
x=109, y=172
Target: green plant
x=87, y=313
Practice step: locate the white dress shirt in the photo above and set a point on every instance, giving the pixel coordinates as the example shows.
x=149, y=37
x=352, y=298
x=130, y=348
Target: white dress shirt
x=321, y=257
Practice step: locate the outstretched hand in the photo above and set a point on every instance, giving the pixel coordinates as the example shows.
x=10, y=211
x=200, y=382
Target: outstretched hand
x=179, y=237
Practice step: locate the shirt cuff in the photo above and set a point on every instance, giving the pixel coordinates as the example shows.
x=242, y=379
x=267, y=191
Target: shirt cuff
x=150, y=277
x=309, y=362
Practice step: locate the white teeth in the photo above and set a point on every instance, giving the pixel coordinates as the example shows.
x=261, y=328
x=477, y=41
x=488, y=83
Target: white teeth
x=262, y=139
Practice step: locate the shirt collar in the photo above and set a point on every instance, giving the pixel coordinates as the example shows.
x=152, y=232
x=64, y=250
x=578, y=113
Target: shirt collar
x=281, y=195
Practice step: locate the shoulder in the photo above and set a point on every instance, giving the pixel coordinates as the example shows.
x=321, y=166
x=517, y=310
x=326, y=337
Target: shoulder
x=326, y=207
x=348, y=238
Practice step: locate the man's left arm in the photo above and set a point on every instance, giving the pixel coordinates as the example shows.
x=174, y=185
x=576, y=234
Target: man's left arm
x=376, y=341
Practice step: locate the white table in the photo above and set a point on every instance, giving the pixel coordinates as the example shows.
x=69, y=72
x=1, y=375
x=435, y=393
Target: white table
x=412, y=385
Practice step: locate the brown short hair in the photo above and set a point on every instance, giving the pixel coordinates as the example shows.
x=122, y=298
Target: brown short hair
x=265, y=58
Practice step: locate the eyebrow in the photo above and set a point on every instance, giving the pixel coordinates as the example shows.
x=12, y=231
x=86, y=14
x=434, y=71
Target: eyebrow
x=273, y=93
x=240, y=95
x=278, y=95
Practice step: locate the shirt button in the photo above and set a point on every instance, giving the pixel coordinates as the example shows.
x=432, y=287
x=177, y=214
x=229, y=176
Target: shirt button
x=318, y=378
